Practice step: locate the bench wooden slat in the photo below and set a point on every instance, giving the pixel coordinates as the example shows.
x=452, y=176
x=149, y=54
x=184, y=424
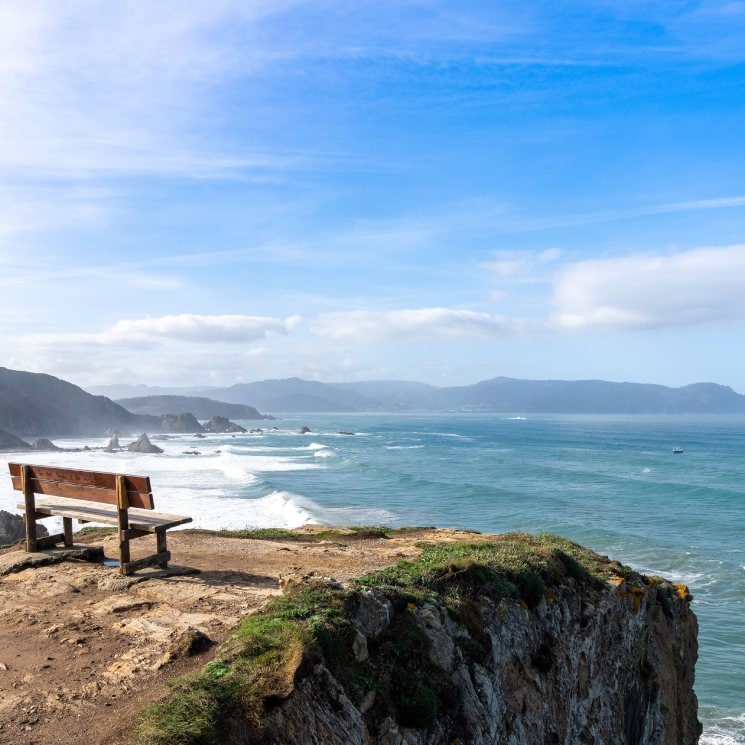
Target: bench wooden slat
x=158, y=559
x=92, y=486
x=146, y=520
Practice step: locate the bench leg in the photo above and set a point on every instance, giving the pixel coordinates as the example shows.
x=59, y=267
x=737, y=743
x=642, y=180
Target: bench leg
x=162, y=547
x=30, y=511
x=67, y=530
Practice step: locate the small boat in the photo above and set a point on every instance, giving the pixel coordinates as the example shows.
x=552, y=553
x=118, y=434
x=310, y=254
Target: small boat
x=677, y=449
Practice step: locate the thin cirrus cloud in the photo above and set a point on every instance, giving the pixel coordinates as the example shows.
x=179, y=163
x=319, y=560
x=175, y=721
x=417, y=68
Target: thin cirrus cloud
x=644, y=291
x=414, y=323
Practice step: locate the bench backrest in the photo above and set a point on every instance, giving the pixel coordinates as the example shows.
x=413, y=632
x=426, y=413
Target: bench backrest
x=94, y=486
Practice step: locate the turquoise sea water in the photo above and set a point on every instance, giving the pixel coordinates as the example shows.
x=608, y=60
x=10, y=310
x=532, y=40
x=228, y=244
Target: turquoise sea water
x=611, y=483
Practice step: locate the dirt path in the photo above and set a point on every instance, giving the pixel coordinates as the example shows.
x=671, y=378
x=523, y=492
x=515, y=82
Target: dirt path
x=81, y=652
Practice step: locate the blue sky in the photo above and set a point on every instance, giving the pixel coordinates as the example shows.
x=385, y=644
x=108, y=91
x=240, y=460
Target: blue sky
x=215, y=192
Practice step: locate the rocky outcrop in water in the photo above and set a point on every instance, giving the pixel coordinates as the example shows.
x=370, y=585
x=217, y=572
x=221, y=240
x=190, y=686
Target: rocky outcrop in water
x=221, y=425
x=143, y=445
x=184, y=423
x=44, y=445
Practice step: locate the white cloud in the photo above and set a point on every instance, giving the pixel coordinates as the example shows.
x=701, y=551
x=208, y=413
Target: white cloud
x=653, y=291
x=414, y=323
x=164, y=348
x=187, y=327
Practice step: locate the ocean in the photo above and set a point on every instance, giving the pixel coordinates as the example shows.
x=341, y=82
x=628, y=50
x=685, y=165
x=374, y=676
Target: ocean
x=611, y=483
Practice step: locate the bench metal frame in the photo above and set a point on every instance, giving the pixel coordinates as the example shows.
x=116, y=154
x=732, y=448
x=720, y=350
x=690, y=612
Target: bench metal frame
x=93, y=496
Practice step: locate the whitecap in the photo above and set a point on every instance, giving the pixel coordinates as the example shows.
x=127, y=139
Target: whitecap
x=325, y=453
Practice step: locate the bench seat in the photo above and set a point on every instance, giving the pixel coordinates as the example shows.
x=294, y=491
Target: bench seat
x=147, y=521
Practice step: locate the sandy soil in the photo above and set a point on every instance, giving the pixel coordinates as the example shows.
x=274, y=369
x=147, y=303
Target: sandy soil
x=81, y=652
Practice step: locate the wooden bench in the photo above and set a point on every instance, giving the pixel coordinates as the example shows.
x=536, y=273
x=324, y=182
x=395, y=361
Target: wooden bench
x=93, y=496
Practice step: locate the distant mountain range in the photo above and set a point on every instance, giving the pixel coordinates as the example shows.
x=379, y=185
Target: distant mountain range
x=509, y=395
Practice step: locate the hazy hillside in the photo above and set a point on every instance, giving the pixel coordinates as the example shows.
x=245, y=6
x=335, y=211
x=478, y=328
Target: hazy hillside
x=590, y=397
x=34, y=404
x=302, y=395
x=202, y=408
x=498, y=394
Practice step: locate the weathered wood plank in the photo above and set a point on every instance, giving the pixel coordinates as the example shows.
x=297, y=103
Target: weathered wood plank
x=48, y=541
x=146, y=520
x=67, y=530
x=29, y=508
x=92, y=486
x=148, y=561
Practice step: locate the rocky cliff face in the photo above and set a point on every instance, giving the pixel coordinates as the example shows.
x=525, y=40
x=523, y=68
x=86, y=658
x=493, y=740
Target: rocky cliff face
x=617, y=671
x=519, y=641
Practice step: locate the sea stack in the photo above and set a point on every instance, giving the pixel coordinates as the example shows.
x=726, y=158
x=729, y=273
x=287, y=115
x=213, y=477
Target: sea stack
x=220, y=425
x=143, y=445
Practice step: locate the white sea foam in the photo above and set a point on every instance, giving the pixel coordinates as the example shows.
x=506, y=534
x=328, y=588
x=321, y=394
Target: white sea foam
x=516, y=418
x=279, y=509
x=403, y=447
x=723, y=730
x=325, y=453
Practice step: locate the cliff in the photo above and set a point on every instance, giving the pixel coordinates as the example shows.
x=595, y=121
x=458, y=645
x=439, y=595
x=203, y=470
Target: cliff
x=516, y=639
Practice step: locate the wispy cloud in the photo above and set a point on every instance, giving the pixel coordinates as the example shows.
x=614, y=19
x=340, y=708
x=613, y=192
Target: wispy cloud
x=652, y=291
x=611, y=215
x=415, y=323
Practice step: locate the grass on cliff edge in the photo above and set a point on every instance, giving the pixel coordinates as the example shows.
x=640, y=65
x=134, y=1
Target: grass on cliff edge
x=258, y=663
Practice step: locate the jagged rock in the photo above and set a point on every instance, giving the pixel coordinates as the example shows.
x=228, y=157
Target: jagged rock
x=12, y=528
x=304, y=430
x=43, y=444
x=113, y=445
x=143, y=445
x=185, y=422
x=9, y=442
x=220, y=425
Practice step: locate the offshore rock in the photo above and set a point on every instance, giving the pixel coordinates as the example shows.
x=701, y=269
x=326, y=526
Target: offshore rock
x=613, y=666
x=220, y=425
x=185, y=422
x=45, y=445
x=143, y=445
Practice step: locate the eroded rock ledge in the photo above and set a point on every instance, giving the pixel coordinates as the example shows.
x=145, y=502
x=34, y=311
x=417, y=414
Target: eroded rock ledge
x=516, y=640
